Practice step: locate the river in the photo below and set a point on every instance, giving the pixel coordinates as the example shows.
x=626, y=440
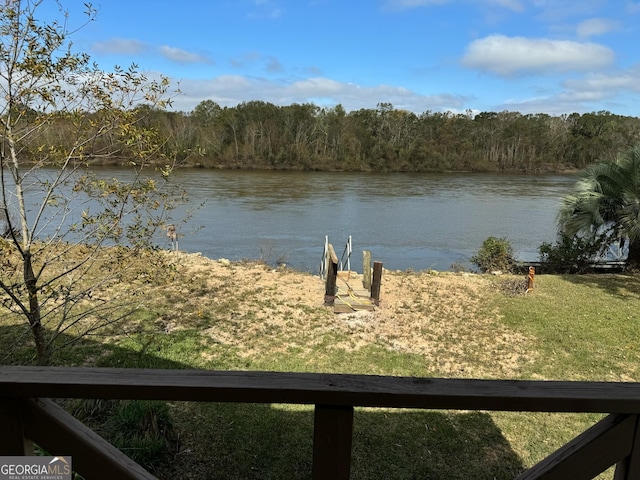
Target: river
x=408, y=221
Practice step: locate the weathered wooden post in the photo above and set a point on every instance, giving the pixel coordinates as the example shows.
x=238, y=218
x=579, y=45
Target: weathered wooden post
x=629, y=467
x=13, y=441
x=332, y=274
x=375, y=283
x=366, y=269
x=332, y=439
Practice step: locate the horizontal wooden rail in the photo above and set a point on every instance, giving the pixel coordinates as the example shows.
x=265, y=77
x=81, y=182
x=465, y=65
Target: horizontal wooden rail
x=325, y=389
x=613, y=441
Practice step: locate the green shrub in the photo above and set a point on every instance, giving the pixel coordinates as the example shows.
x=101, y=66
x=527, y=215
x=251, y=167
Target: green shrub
x=495, y=254
x=570, y=254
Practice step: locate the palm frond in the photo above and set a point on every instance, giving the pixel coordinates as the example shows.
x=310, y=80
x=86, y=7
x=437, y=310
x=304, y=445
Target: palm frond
x=606, y=199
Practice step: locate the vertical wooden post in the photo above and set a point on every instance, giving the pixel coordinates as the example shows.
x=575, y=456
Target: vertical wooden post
x=332, y=274
x=332, y=437
x=366, y=269
x=12, y=439
x=377, y=280
x=629, y=468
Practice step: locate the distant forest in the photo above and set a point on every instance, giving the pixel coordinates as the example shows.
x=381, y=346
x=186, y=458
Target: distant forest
x=261, y=135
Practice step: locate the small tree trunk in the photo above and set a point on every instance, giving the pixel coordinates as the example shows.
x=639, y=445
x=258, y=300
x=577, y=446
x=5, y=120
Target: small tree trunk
x=633, y=258
x=34, y=315
x=42, y=349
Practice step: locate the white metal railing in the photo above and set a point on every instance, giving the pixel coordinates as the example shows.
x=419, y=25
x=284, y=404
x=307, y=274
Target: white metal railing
x=348, y=249
x=323, y=262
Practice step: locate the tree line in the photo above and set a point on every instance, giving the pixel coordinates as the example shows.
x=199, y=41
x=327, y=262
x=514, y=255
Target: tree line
x=261, y=135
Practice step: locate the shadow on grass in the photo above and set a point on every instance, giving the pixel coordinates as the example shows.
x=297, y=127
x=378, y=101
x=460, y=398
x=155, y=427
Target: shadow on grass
x=623, y=285
x=257, y=441
x=273, y=441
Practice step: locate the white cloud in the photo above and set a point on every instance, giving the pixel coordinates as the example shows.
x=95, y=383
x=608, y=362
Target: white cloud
x=125, y=46
x=561, y=102
x=610, y=83
x=182, y=56
x=553, y=105
x=594, y=92
x=596, y=26
x=119, y=46
x=509, y=56
x=231, y=90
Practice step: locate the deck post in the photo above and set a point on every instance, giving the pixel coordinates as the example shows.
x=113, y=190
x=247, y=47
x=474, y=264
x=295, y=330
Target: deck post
x=377, y=280
x=629, y=467
x=332, y=274
x=12, y=440
x=606, y=443
x=366, y=269
x=332, y=435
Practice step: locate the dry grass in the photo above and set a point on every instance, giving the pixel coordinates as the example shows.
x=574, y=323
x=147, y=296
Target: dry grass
x=258, y=310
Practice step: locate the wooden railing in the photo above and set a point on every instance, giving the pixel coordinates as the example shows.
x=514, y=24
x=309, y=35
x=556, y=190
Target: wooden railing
x=27, y=416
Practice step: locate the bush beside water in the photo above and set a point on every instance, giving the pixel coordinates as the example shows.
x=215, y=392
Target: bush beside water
x=495, y=254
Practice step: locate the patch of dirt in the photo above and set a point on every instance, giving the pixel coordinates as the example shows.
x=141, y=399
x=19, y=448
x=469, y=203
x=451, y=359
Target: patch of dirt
x=444, y=317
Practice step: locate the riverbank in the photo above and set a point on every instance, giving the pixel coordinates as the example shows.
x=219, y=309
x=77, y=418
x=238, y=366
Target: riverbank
x=451, y=324
x=196, y=163
x=259, y=305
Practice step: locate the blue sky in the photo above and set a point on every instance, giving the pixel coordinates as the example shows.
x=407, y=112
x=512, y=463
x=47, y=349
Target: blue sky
x=531, y=56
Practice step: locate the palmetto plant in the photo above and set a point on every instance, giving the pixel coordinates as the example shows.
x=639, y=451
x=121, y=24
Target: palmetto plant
x=605, y=203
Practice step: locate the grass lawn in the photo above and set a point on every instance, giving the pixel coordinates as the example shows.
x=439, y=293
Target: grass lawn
x=249, y=317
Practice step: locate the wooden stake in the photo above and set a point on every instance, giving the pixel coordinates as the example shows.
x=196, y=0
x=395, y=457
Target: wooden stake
x=366, y=269
x=377, y=280
x=332, y=273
